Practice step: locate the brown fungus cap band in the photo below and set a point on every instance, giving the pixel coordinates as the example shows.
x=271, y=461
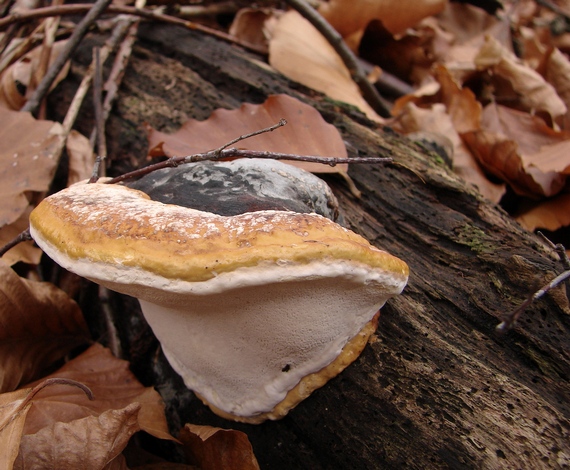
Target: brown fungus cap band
x=254, y=311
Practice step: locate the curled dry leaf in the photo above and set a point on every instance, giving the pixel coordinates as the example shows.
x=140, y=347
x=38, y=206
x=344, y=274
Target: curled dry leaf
x=301, y=53
x=534, y=92
x=113, y=386
x=27, y=160
x=90, y=442
x=249, y=24
x=512, y=145
x=22, y=72
x=218, y=449
x=41, y=324
x=306, y=132
x=81, y=157
x=13, y=411
x=25, y=251
x=557, y=73
x=349, y=17
x=550, y=215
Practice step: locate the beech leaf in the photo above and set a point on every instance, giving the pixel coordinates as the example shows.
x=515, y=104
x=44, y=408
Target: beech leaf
x=40, y=324
x=91, y=442
x=27, y=160
x=301, y=53
x=13, y=411
x=218, y=449
x=349, y=17
x=113, y=385
x=306, y=132
x=551, y=214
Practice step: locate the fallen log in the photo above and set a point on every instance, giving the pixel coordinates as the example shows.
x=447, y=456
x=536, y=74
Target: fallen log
x=437, y=387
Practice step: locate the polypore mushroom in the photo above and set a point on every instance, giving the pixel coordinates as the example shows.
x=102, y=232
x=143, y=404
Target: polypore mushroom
x=254, y=311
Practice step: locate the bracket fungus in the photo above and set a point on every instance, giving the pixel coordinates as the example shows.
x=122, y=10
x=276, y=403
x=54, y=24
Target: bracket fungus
x=254, y=311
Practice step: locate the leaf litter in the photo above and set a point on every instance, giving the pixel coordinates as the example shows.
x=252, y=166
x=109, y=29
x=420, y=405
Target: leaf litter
x=505, y=114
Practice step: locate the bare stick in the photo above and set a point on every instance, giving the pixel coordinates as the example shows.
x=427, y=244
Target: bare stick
x=98, y=103
x=22, y=237
x=512, y=317
x=214, y=155
x=370, y=94
x=281, y=123
x=78, y=33
x=117, y=71
x=127, y=10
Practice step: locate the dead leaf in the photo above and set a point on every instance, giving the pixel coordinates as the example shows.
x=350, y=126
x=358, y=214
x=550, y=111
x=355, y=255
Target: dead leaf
x=218, y=449
x=113, y=385
x=27, y=160
x=557, y=73
x=41, y=324
x=534, y=92
x=13, y=411
x=301, y=53
x=549, y=215
x=306, y=132
x=248, y=26
x=81, y=157
x=436, y=119
x=513, y=145
x=21, y=74
x=26, y=252
x=91, y=442
x=349, y=17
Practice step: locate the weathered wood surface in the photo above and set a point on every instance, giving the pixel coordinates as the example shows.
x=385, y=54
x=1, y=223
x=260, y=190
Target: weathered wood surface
x=436, y=388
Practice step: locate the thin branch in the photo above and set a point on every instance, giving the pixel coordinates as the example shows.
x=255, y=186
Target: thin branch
x=22, y=237
x=117, y=72
x=98, y=107
x=512, y=317
x=281, y=123
x=215, y=155
x=127, y=10
x=369, y=92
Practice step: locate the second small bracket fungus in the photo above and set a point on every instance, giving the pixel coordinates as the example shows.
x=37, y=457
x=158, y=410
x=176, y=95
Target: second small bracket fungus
x=254, y=311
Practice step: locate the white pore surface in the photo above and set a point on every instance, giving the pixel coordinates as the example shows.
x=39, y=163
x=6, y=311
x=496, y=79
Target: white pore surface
x=243, y=339
x=245, y=350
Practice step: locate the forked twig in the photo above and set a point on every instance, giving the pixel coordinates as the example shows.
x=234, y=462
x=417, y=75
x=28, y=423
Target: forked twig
x=224, y=152
x=512, y=317
x=219, y=153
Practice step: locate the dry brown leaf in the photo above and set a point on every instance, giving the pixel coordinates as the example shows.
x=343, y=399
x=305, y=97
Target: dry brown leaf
x=113, y=386
x=25, y=251
x=301, y=53
x=500, y=157
x=558, y=75
x=550, y=215
x=27, y=160
x=92, y=442
x=21, y=72
x=40, y=324
x=248, y=26
x=218, y=449
x=536, y=156
x=534, y=92
x=13, y=411
x=81, y=157
x=436, y=119
x=306, y=132
x=349, y=16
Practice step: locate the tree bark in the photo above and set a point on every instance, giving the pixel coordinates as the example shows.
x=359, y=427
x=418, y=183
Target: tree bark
x=436, y=387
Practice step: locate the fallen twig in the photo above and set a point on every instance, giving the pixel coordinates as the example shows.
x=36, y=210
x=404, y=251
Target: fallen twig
x=369, y=92
x=512, y=317
x=22, y=237
x=78, y=33
x=80, y=8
